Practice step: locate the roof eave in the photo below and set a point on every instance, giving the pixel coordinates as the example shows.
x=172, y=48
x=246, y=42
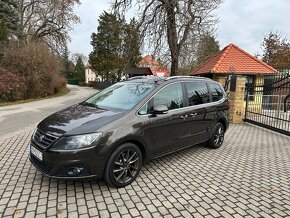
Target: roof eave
x=238, y=73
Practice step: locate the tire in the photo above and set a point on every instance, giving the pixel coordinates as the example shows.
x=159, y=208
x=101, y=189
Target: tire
x=123, y=165
x=217, y=137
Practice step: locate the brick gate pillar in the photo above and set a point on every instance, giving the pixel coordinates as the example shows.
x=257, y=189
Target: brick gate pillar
x=237, y=109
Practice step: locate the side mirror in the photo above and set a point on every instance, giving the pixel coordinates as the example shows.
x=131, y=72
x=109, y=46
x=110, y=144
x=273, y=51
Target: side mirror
x=160, y=109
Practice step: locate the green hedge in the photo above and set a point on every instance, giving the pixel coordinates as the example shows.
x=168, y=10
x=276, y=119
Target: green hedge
x=73, y=81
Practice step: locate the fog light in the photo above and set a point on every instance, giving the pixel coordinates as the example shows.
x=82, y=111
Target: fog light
x=74, y=171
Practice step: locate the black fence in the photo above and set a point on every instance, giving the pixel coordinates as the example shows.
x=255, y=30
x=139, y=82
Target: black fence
x=268, y=103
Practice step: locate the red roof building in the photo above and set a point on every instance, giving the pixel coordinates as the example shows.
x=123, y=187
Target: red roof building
x=249, y=72
x=233, y=59
x=156, y=67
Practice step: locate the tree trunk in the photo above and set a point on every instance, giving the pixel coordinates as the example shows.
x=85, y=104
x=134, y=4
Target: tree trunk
x=172, y=35
x=20, y=29
x=174, y=65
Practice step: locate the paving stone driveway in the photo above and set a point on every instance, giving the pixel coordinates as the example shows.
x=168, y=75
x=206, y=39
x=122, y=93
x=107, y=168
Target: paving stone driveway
x=248, y=177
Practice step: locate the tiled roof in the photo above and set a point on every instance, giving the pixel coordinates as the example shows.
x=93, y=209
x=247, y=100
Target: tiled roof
x=148, y=59
x=233, y=59
x=155, y=66
x=139, y=71
x=88, y=66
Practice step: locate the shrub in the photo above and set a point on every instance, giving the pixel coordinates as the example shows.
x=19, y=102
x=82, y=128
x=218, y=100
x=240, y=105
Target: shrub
x=73, y=81
x=59, y=83
x=12, y=86
x=38, y=65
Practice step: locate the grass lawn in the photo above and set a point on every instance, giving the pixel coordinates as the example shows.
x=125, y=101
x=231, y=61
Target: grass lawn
x=60, y=93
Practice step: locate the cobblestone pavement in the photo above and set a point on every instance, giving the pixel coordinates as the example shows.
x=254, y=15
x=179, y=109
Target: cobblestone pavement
x=248, y=177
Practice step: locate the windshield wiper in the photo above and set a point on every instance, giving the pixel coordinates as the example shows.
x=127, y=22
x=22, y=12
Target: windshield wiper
x=89, y=104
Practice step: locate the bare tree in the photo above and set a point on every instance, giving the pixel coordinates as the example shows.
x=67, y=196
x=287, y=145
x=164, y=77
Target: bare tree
x=169, y=24
x=76, y=56
x=276, y=50
x=47, y=20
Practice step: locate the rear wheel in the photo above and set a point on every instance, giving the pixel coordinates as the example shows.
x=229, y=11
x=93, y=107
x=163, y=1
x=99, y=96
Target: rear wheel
x=217, y=137
x=123, y=166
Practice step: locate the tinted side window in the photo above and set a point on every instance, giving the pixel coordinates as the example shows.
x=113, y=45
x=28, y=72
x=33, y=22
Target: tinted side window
x=197, y=93
x=171, y=96
x=216, y=91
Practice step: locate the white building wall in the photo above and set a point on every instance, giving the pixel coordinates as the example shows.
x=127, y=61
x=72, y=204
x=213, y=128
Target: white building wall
x=90, y=75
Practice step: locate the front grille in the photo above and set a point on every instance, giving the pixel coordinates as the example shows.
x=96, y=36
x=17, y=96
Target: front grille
x=44, y=167
x=42, y=139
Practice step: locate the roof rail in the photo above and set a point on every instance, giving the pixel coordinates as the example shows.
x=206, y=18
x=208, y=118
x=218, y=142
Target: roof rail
x=136, y=77
x=145, y=77
x=192, y=77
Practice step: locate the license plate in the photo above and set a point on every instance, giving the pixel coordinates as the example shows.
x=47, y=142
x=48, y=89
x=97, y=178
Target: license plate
x=35, y=152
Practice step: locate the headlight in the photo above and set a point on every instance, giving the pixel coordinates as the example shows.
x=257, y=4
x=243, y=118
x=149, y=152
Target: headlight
x=76, y=142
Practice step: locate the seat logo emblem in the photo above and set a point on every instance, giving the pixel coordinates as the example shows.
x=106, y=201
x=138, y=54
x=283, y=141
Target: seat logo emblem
x=41, y=138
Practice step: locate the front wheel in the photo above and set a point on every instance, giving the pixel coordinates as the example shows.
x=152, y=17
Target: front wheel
x=123, y=166
x=217, y=137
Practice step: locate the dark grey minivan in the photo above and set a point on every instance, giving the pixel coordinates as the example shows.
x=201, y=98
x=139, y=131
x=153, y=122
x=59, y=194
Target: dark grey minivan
x=113, y=132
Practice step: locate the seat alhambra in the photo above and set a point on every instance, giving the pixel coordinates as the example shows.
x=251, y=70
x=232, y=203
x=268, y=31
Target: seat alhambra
x=111, y=134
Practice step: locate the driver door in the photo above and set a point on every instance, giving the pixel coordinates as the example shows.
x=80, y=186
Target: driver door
x=166, y=131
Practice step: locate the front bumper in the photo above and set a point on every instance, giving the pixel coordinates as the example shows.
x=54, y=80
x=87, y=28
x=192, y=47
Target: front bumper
x=37, y=165
x=68, y=165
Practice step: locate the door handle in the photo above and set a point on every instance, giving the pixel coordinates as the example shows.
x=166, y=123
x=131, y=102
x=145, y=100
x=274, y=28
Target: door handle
x=193, y=114
x=183, y=117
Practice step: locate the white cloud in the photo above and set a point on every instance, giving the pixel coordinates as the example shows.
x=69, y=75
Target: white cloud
x=246, y=22
x=243, y=22
x=89, y=12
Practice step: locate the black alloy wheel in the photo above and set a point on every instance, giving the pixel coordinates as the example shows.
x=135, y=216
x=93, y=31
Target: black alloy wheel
x=217, y=138
x=123, y=166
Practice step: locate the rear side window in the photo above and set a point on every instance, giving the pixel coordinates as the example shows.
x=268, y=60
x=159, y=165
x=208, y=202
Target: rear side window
x=171, y=96
x=216, y=91
x=197, y=93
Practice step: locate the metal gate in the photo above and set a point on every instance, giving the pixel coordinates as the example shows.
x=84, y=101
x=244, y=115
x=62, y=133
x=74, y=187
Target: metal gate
x=268, y=103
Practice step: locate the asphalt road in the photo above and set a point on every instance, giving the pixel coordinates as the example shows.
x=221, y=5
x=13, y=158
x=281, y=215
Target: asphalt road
x=22, y=116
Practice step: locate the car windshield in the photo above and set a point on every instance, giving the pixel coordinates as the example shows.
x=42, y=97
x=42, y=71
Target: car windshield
x=122, y=95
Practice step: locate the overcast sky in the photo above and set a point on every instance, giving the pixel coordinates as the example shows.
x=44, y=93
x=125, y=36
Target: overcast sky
x=243, y=22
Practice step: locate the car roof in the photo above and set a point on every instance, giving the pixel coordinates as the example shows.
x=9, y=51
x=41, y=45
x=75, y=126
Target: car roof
x=159, y=79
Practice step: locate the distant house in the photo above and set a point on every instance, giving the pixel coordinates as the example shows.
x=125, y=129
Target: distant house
x=138, y=71
x=234, y=60
x=90, y=75
x=248, y=69
x=157, y=68
x=147, y=66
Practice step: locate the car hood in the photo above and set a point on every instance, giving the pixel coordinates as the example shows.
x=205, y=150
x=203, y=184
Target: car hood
x=78, y=119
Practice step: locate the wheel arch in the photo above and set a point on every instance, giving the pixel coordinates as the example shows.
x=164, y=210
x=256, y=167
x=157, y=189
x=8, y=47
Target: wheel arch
x=141, y=145
x=141, y=148
x=223, y=122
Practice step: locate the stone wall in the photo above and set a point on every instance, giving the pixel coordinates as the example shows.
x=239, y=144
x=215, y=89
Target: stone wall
x=237, y=103
x=237, y=109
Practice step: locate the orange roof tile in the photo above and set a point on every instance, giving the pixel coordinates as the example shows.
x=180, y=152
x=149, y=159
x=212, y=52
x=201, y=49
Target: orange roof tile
x=156, y=67
x=88, y=66
x=233, y=59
